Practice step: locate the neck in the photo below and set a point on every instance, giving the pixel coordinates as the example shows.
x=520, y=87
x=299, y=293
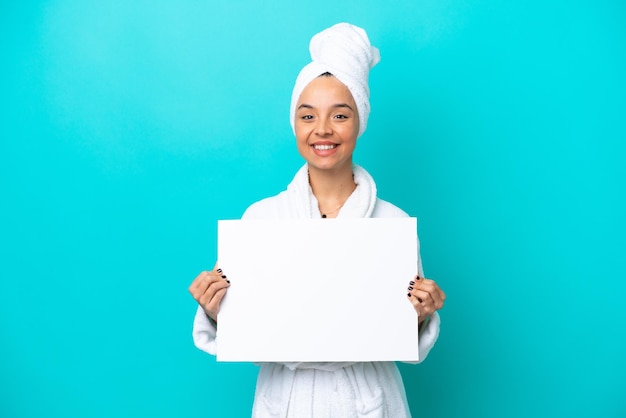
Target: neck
x=331, y=188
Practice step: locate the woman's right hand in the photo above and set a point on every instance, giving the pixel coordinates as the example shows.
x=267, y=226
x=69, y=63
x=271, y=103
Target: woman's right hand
x=208, y=289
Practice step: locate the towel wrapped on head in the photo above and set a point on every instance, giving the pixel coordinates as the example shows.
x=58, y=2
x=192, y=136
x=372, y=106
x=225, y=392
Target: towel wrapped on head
x=344, y=50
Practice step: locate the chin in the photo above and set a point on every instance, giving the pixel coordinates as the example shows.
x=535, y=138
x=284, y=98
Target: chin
x=328, y=165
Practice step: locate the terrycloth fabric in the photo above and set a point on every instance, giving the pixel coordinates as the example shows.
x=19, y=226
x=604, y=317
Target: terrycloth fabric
x=303, y=204
x=316, y=390
x=344, y=50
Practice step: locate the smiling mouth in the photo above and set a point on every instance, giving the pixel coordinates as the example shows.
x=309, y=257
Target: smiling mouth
x=324, y=147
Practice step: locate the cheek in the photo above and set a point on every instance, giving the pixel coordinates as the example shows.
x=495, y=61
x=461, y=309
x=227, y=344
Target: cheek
x=352, y=127
x=349, y=133
x=301, y=132
x=300, y=138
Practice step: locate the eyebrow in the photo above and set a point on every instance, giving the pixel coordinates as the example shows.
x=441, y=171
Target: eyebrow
x=338, y=105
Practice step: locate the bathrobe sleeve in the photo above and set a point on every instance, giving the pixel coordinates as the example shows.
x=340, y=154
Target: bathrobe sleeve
x=204, y=331
x=428, y=336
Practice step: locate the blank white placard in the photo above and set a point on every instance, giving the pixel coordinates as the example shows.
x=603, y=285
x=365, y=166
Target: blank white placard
x=318, y=290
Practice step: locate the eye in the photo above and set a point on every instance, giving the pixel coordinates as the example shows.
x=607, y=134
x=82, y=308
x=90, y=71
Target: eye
x=306, y=117
x=341, y=116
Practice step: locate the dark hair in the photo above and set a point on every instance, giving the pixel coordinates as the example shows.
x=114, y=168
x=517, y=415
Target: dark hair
x=326, y=74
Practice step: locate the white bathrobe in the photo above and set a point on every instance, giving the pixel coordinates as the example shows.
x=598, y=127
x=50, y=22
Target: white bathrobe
x=345, y=390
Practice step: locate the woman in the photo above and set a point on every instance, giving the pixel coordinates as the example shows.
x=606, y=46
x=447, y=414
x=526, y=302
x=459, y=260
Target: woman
x=329, y=111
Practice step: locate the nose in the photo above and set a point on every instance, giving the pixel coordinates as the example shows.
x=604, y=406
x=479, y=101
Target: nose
x=323, y=127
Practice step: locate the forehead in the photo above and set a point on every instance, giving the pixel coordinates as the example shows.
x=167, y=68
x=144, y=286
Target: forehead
x=323, y=90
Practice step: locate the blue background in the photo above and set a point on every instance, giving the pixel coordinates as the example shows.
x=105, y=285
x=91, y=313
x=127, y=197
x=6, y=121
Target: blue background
x=128, y=128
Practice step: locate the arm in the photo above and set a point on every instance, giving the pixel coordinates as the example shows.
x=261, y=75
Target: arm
x=427, y=298
x=428, y=317
x=204, y=332
x=205, y=322
x=428, y=333
x=208, y=289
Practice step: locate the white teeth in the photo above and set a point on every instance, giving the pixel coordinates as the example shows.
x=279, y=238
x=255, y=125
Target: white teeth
x=324, y=147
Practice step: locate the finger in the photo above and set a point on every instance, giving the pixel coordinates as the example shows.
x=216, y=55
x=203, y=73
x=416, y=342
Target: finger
x=217, y=270
x=438, y=300
x=421, y=283
x=216, y=284
x=214, y=305
x=437, y=294
x=197, y=281
x=202, y=276
x=433, y=295
x=425, y=299
x=218, y=273
x=418, y=306
x=433, y=290
x=424, y=283
x=442, y=296
x=204, y=286
x=419, y=289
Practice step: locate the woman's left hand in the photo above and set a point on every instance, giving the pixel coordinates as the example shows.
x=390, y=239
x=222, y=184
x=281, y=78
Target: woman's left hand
x=426, y=297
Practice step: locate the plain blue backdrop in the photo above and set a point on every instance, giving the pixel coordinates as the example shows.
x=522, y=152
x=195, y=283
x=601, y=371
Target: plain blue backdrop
x=127, y=129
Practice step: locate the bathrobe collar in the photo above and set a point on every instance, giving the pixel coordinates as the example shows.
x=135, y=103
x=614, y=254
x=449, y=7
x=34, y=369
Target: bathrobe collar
x=360, y=204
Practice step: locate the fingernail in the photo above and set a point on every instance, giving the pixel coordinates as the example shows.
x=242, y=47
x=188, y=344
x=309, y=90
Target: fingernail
x=411, y=283
x=419, y=278
x=227, y=281
x=219, y=271
x=410, y=288
x=419, y=300
x=408, y=294
x=223, y=276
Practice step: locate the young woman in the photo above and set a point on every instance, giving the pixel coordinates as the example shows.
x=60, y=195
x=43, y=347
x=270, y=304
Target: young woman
x=329, y=111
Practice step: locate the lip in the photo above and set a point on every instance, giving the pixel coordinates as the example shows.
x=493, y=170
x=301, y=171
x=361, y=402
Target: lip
x=324, y=152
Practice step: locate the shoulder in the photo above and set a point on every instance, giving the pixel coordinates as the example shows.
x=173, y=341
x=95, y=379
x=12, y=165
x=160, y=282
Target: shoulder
x=268, y=208
x=384, y=209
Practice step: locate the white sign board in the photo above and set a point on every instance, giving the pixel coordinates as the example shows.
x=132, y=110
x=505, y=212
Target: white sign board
x=319, y=290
